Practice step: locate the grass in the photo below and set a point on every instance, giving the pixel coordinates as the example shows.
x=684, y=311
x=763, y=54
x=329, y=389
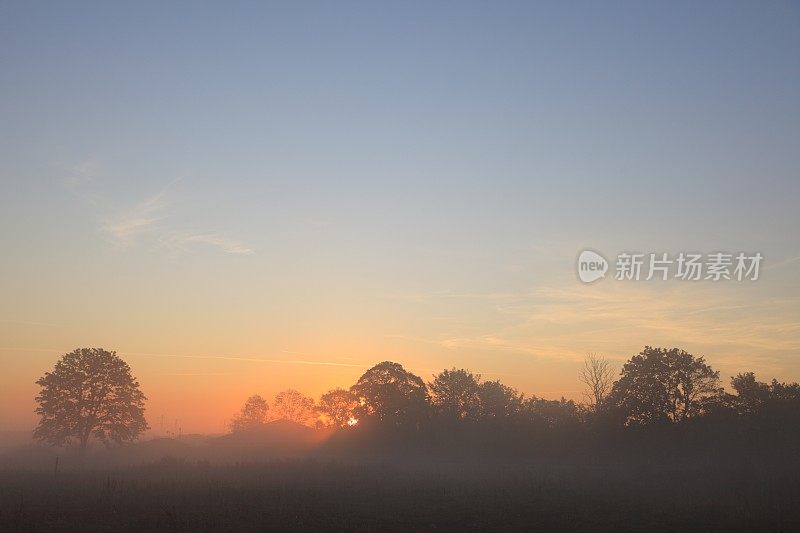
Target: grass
x=173, y=495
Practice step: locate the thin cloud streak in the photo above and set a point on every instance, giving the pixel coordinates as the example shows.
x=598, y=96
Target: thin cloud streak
x=140, y=218
x=250, y=359
x=31, y=323
x=198, y=374
x=126, y=227
x=183, y=242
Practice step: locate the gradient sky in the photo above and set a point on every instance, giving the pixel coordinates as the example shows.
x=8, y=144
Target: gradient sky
x=246, y=197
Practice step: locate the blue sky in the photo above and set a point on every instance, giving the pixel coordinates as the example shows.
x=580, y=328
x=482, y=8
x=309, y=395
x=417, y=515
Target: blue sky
x=409, y=180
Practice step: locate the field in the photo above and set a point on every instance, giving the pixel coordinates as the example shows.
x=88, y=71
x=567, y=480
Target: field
x=317, y=494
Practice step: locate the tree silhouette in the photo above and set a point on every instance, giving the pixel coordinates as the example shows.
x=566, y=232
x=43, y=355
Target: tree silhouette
x=338, y=406
x=784, y=391
x=598, y=377
x=388, y=394
x=552, y=413
x=750, y=394
x=662, y=384
x=454, y=394
x=497, y=401
x=90, y=393
x=293, y=406
x=755, y=396
x=253, y=414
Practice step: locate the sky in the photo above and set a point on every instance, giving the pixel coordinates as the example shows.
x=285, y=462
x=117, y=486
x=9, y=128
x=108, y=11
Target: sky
x=244, y=197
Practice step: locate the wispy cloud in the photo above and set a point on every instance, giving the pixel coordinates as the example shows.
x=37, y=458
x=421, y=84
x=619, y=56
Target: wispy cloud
x=182, y=242
x=147, y=220
x=123, y=228
x=735, y=325
x=782, y=263
x=82, y=173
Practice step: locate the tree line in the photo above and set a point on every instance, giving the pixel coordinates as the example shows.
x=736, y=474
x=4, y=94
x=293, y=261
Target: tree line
x=656, y=386
x=91, y=393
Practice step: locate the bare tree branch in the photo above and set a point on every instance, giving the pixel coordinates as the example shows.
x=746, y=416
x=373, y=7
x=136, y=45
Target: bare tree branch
x=597, y=375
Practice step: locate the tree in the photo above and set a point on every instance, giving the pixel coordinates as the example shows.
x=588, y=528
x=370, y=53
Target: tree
x=553, y=413
x=598, y=377
x=89, y=393
x=294, y=406
x=497, y=401
x=338, y=406
x=253, y=414
x=786, y=392
x=755, y=396
x=750, y=394
x=454, y=394
x=388, y=394
x=662, y=384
